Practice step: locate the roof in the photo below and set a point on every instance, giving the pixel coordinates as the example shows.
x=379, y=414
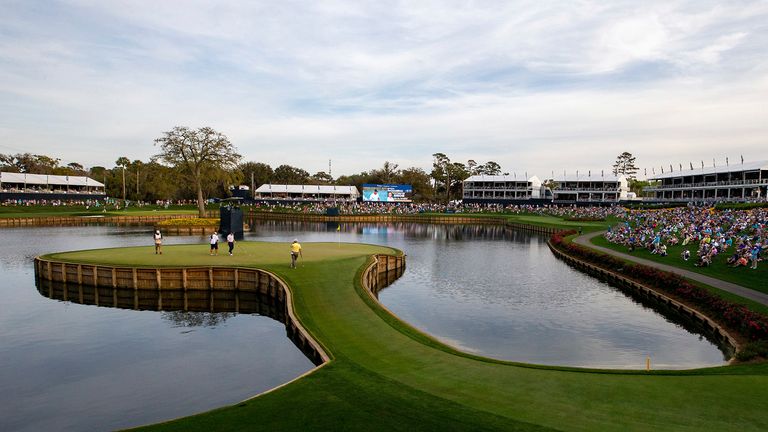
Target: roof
x=499, y=178
x=586, y=177
x=737, y=167
x=44, y=179
x=308, y=189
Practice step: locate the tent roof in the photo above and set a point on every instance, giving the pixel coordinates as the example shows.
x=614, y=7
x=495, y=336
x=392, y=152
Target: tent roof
x=749, y=166
x=500, y=178
x=308, y=189
x=44, y=179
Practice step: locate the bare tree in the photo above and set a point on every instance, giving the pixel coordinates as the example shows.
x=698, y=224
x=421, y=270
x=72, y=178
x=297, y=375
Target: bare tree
x=193, y=152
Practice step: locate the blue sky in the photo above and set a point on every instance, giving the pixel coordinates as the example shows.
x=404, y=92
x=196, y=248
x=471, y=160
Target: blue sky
x=536, y=86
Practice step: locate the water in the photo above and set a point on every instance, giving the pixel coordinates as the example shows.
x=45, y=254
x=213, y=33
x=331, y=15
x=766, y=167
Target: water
x=68, y=366
x=502, y=294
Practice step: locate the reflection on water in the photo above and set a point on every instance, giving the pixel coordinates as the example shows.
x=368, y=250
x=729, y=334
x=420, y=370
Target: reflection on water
x=501, y=293
x=196, y=319
x=70, y=365
x=183, y=308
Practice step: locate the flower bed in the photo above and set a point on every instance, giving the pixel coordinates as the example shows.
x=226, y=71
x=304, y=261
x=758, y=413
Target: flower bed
x=752, y=325
x=201, y=222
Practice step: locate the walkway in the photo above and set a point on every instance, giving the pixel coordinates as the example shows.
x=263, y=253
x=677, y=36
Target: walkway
x=739, y=290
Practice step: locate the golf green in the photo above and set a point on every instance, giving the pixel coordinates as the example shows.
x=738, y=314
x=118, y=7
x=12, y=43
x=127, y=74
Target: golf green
x=386, y=375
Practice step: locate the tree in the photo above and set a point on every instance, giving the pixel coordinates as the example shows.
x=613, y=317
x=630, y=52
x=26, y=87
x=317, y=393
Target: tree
x=625, y=164
x=321, y=177
x=287, y=174
x=196, y=153
x=490, y=168
x=419, y=180
x=441, y=174
x=387, y=173
x=123, y=163
x=261, y=173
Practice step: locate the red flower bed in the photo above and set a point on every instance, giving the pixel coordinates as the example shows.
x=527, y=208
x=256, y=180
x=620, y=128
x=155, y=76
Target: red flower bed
x=751, y=324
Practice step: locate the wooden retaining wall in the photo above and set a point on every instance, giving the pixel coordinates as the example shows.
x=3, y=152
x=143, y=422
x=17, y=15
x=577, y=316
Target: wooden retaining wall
x=185, y=279
x=384, y=271
x=720, y=332
x=532, y=228
x=447, y=219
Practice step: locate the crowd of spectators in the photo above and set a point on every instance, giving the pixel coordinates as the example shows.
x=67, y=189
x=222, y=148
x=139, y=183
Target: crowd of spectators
x=742, y=235
x=596, y=213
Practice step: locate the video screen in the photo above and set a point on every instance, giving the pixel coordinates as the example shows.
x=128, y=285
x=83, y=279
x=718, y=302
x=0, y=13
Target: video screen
x=387, y=193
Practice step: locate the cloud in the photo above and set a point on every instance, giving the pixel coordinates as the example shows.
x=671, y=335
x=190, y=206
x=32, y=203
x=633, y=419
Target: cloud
x=534, y=86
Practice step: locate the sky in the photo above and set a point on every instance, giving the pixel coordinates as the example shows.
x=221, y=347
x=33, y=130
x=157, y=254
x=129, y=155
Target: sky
x=537, y=86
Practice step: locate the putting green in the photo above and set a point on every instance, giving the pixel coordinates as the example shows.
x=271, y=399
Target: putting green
x=385, y=375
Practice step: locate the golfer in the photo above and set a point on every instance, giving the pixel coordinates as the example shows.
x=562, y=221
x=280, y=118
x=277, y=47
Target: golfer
x=215, y=243
x=231, y=242
x=295, y=252
x=158, y=242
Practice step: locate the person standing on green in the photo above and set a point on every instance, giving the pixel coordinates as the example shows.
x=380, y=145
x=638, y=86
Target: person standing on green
x=295, y=252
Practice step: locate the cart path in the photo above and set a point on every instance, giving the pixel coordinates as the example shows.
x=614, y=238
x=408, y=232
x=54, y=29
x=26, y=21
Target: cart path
x=733, y=288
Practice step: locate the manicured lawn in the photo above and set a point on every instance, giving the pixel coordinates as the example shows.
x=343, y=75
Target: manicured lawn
x=48, y=211
x=744, y=276
x=385, y=375
x=558, y=222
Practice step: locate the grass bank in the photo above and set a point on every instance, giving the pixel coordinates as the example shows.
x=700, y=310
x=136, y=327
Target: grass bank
x=385, y=375
x=744, y=276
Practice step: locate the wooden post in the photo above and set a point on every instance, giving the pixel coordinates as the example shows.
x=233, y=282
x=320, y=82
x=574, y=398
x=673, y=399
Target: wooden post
x=237, y=280
x=50, y=271
x=64, y=273
x=80, y=274
x=157, y=274
x=135, y=279
x=114, y=277
x=184, y=284
x=210, y=277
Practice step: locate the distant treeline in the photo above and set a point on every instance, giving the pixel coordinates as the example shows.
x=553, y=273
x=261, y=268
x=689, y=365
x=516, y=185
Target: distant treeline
x=152, y=180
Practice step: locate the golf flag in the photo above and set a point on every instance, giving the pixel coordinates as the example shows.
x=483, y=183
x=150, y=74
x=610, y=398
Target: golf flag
x=338, y=227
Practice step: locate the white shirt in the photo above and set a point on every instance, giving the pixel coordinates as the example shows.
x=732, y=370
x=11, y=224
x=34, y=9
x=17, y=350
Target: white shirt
x=230, y=237
x=214, y=238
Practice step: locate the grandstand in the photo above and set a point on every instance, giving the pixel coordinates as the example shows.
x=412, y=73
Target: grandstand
x=285, y=192
x=589, y=188
x=739, y=182
x=503, y=189
x=48, y=187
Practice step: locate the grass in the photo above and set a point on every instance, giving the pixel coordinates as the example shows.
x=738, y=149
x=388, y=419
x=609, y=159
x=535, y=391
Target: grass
x=61, y=211
x=385, y=375
x=559, y=222
x=744, y=276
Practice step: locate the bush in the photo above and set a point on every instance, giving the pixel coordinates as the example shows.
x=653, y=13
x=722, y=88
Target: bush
x=753, y=350
x=190, y=222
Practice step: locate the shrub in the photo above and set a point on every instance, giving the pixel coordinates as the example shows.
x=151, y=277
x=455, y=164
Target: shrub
x=190, y=222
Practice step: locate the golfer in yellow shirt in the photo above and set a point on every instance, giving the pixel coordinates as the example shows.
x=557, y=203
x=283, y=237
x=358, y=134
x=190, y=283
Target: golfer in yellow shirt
x=295, y=252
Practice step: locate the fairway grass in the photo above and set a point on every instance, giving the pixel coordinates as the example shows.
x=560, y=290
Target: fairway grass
x=385, y=375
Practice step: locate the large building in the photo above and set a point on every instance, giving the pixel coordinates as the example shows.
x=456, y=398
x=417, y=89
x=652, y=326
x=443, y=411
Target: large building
x=502, y=188
x=589, y=188
x=284, y=192
x=49, y=187
x=738, y=182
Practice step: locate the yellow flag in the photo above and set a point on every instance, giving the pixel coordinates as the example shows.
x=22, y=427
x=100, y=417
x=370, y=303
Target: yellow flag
x=338, y=227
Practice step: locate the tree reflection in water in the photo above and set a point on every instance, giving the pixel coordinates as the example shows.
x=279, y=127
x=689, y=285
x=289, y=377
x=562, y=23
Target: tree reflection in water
x=196, y=319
